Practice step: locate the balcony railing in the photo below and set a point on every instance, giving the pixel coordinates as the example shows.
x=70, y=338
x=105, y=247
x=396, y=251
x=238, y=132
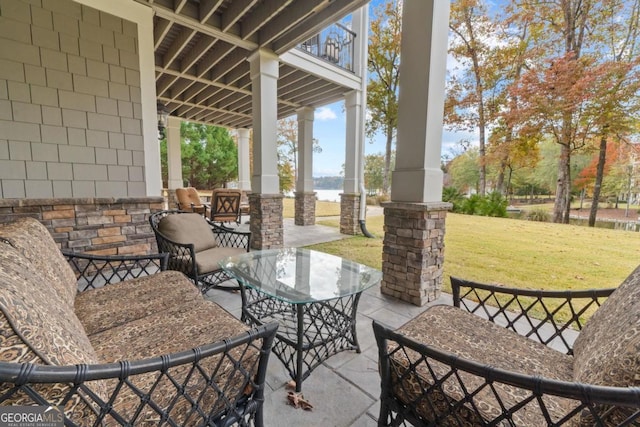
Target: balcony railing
x=333, y=44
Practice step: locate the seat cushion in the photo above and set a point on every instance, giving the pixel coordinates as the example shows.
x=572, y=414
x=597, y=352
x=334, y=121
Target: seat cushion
x=465, y=335
x=36, y=244
x=192, y=324
x=209, y=260
x=101, y=309
x=188, y=228
x=607, y=351
x=37, y=327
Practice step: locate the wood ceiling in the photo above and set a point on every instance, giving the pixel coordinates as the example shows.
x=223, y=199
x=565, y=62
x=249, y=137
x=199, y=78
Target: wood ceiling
x=201, y=50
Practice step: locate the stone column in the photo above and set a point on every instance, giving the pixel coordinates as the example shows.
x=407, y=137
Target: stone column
x=349, y=213
x=413, y=247
x=174, y=160
x=266, y=226
x=305, y=201
x=265, y=201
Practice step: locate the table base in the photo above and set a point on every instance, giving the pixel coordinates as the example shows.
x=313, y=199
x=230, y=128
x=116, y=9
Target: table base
x=309, y=333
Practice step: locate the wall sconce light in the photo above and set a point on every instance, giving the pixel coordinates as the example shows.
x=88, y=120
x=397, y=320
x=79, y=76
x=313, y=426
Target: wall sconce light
x=163, y=115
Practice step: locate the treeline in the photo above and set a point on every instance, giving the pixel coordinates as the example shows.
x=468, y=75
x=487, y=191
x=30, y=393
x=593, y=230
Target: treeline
x=328, y=183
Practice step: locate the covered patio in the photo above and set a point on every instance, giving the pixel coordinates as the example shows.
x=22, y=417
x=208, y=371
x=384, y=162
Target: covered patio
x=81, y=82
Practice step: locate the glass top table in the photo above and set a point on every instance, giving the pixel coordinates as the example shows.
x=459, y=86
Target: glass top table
x=312, y=295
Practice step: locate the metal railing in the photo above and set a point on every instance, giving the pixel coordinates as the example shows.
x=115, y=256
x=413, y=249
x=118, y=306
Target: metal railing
x=334, y=44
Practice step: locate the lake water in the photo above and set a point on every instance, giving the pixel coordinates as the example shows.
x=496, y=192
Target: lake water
x=327, y=195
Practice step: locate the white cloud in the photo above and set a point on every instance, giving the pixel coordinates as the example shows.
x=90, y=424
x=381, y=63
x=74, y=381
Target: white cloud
x=325, y=113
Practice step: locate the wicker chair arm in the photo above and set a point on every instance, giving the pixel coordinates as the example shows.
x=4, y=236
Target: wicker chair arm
x=231, y=238
x=526, y=311
x=586, y=398
x=94, y=271
x=26, y=378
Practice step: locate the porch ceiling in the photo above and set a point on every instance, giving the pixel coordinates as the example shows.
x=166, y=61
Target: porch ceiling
x=201, y=50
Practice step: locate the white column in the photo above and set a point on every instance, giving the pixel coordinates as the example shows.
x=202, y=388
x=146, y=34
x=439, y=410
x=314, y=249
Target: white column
x=417, y=176
x=174, y=160
x=264, y=88
x=353, y=160
x=304, y=182
x=244, y=172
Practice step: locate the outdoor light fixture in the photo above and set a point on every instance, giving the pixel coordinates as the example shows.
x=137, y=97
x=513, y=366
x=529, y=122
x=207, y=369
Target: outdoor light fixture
x=163, y=115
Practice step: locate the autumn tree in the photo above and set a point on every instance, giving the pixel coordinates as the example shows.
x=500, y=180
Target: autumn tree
x=383, y=67
x=373, y=172
x=471, y=103
x=288, y=153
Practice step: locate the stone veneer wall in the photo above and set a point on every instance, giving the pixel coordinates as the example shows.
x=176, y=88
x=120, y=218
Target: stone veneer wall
x=305, y=208
x=102, y=226
x=349, y=213
x=267, y=228
x=413, y=250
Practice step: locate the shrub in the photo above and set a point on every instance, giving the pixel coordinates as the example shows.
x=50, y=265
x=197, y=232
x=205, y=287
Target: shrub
x=453, y=196
x=494, y=204
x=538, y=214
x=471, y=205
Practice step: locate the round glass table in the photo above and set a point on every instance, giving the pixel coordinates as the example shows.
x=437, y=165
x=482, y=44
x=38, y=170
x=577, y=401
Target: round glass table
x=312, y=295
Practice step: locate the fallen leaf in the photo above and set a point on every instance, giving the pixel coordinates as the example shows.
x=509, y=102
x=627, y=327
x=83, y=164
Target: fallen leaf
x=297, y=400
x=291, y=385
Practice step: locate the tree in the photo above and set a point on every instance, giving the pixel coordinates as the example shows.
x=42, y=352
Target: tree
x=288, y=150
x=383, y=67
x=464, y=172
x=208, y=153
x=374, y=172
x=471, y=103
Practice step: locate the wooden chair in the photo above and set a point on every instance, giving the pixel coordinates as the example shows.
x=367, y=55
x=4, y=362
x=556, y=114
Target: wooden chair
x=189, y=200
x=225, y=206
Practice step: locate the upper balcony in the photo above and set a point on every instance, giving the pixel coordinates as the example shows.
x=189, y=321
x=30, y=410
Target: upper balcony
x=334, y=44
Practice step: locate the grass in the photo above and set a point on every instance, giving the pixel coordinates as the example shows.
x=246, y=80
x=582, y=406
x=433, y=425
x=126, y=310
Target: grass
x=323, y=208
x=515, y=252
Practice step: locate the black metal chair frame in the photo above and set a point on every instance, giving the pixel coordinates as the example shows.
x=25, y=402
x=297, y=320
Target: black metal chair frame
x=225, y=204
x=182, y=256
x=243, y=408
x=511, y=308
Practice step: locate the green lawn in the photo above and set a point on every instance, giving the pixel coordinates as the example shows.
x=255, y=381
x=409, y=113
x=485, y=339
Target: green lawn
x=323, y=208
x=516, y=252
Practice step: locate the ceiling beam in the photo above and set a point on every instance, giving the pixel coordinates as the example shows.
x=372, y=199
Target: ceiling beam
x=262, y=15
x=237, y=73
x=234, y=12
x=178, y=5
x=208, y=8
x=213, y=57
x=196, y=52
x=286, y=21
x=229, y=62
x=164, y=82
x=161, y=28
x=177, y=46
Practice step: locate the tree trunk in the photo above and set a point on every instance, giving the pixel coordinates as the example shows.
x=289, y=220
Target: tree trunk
x=602, y=157
x=562, y=186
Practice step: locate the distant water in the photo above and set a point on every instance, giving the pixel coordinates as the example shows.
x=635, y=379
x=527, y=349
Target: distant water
x=328, y=195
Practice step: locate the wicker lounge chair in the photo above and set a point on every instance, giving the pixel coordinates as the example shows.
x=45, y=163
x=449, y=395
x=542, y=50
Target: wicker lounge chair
x=195, y=247
x=449, y=367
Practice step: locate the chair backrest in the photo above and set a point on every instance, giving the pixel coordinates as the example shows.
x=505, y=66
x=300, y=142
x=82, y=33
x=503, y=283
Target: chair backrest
x=225, y=205
x=188, y=228
x=188, y=199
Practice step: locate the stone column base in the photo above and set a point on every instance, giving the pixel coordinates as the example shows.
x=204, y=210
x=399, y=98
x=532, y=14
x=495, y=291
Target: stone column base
x=413, y=250
x=267, y=229
x=171, y=199
x=349, y=213
x=305, y=207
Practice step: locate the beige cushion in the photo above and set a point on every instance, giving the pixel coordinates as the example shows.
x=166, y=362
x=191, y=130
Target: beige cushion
x=191, y=324
x=607, y=351
x=188, y=228
x=101, y=309
x=37, y=327
x=35, y=243
x=456, y=331
x=209, y=260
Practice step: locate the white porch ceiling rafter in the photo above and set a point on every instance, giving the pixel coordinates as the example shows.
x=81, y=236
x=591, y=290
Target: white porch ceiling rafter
x=202, y=46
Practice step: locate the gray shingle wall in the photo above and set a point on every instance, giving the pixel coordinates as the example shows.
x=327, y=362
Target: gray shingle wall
x=70, y=112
